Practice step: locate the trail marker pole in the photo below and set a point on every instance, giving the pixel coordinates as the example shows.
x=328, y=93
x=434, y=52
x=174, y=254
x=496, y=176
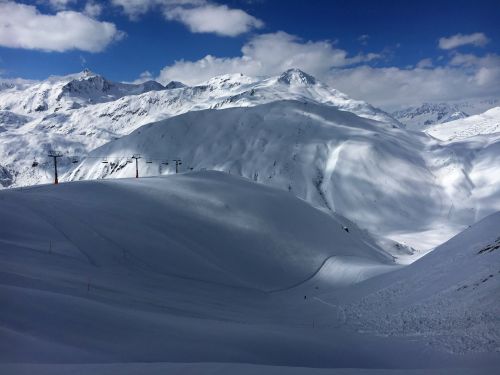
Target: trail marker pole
x=136, y=157
x=54, y=155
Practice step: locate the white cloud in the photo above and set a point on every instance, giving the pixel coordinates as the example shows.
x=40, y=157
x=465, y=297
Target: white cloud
x=424, y=63
x=465, y=77
x=136, y=8
x=266, y=54
x=60, y=4
x=486, y=69
x=363, y=39
x=92, y=9
x=144, y=77
x=200, y=16
x=218, y=19
x=23, y=26
x=457, y=40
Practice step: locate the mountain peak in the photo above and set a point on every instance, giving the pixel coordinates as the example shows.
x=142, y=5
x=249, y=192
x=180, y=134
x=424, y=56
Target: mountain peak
x=87, y=73
x=229, y=80
x=174, y=85
x=296, y=76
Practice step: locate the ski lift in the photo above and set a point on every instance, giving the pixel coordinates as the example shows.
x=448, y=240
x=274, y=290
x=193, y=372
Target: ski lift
x=74, y=160
x=129, y=160
x=105, y=160
x=165, y=162
x=149, y=161
x=35, y=163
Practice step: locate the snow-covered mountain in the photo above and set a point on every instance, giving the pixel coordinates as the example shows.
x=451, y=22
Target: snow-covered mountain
x=419, y=118
x=484, y=123
x=134, y=276
x=416, y=118
x=289, y=131
x=403, y=185
x=11, y=120
x=80, y=112
x=58, y=94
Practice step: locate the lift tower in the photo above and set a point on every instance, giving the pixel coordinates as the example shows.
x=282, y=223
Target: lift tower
x=54, y=155
x=136, y=157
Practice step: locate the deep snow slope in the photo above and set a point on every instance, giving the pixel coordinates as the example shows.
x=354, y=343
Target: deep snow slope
x=468, y=163
x=165, y=268
x=209, y=226
x=483, y=123
x=194, y=268
x=449, y=296
x=392, y=182
x=86, y=110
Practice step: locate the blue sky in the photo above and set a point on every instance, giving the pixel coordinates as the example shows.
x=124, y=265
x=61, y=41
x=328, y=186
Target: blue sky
x=338, y=41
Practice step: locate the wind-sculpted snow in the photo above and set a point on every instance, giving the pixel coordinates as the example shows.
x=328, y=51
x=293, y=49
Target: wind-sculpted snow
x=384, y=179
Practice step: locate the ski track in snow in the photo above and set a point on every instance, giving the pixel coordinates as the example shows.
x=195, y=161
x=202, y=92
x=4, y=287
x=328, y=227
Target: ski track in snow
x=137, y=276
x=341, y=302
x=81, y=112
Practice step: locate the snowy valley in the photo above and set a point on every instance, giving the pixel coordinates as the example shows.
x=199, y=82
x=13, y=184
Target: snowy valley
x=306, y=232
x=289, y=131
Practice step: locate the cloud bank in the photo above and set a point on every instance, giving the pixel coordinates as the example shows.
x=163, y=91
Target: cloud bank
x=266, y=54
x=199, y=16
x=23, y=26
x=463, y=77
x=458, y=40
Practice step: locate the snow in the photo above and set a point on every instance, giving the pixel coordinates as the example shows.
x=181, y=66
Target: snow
x=484, y=123
x=218, y=368
x=448, y=296
x=400, y=185
x=429, y=114
x=405, y=186
x=91, y=110
x=417, y=118
x=207, y=272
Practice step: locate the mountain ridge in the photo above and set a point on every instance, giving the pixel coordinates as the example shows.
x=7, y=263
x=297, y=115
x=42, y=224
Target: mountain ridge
x=80, y=112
